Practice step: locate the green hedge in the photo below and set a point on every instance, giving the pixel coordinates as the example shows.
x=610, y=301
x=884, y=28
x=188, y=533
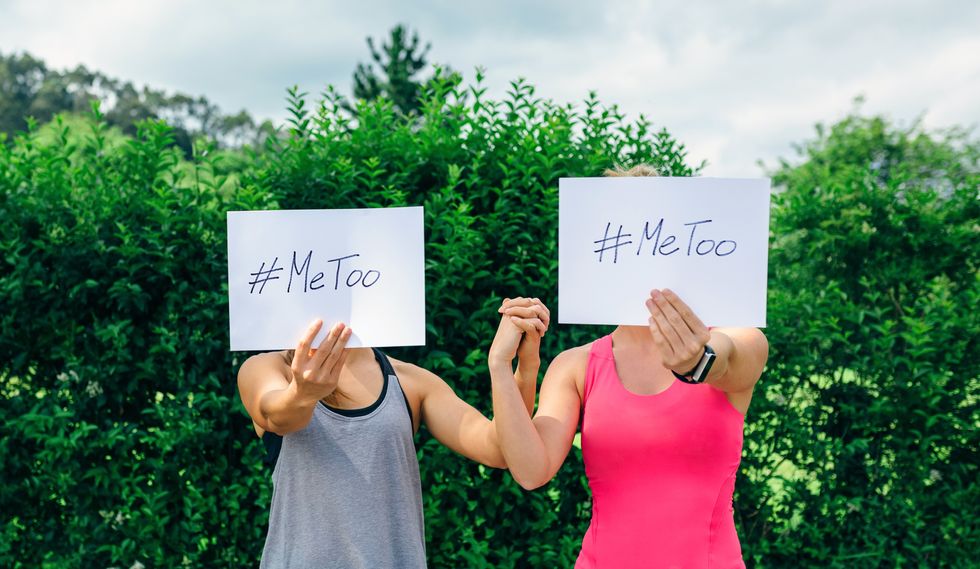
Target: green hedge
x=124, y=440
x=864, y=437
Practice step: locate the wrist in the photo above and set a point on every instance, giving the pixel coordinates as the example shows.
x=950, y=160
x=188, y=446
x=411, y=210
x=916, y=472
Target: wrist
x=529, y=363
x=495, y=358
x=500, y=367
x=699, y=372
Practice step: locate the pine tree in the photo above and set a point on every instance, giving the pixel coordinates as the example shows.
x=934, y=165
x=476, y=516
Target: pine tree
x=400, y=59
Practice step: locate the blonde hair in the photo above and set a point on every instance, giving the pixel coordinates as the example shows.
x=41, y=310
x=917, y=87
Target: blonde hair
x=638, y=170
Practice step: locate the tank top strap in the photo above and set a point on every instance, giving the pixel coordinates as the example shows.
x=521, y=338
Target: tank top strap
x=383, y=361
x=389, y=371
x=600, y=354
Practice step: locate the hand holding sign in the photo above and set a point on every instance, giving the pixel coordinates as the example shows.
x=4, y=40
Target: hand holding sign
x=363, y=267
x=705, y=238
x=679, y=334
x=315, y=372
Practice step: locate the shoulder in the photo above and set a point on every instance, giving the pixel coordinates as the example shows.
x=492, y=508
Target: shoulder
x=753, y=335
x=572, y=359
x=750, y=342
x=568, y=368
x=259, y=364
x=415, y=380
x=410, y=370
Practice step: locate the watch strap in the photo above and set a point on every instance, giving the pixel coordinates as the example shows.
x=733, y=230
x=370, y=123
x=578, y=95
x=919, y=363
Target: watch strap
x=700, y=372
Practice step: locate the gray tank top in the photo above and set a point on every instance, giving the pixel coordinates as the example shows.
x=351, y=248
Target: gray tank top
x=346, y=489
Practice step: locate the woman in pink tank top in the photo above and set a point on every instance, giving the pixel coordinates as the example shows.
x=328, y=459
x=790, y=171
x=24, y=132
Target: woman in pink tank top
x=660, y=452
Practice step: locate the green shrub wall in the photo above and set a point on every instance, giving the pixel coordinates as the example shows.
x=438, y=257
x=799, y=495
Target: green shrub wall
x=124, y=441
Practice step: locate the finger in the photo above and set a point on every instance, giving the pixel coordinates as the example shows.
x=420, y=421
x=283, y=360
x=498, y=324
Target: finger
x=337, y=350
x=529, y=325
x=539, y=325
x=690, y=340
x=690, y=318
x=525, y=311
x=540, y=310
x=661, y=342
x=303, y=348
x=547, y=312
x=342, y=360
x=674, y=317
x=510, y=302
x=666, y=329
x=535, y=311
x=323, y=351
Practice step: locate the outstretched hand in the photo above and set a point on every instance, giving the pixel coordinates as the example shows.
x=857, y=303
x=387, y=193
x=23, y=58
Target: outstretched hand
x=676, y=330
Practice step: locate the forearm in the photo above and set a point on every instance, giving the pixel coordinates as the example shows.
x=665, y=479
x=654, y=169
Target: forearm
x=520, y=443
x=527, y=382
x=726, y=361
x=284, y=411
x=526, y=379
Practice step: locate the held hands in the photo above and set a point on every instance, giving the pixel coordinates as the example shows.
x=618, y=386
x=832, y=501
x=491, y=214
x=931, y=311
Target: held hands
x=678, y=333
x=315, y=372
x=524, y=322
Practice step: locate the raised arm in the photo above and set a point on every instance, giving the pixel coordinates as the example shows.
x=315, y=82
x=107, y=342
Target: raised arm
x=530, y=315
x=458, y=425
x=681, y=336
x=535, y=449
x=280, y=397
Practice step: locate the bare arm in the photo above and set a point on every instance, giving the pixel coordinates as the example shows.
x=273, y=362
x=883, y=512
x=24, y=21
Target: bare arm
x=534, y=449
x=681, y=336
x=746, y=351
x=281, y=398
x=454, y=422
x=459, y=426
x=531, y=315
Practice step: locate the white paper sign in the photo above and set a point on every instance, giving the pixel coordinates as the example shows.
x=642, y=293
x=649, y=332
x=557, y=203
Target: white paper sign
x=704, y=238
x=363, y=267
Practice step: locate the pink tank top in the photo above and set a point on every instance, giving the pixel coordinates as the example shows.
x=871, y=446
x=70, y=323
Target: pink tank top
x=662, y=473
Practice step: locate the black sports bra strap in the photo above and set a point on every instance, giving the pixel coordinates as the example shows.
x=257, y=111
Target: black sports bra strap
x=388, y=371
x=382, y=360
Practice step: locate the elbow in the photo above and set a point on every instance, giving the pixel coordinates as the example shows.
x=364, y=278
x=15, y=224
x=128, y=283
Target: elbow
x=286, y=427
x=530, y=480
x=529, y=483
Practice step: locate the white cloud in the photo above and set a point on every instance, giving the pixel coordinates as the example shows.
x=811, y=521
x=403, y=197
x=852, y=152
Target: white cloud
x=735, y=81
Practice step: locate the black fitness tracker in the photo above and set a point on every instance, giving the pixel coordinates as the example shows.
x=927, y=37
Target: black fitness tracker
x=700, y=371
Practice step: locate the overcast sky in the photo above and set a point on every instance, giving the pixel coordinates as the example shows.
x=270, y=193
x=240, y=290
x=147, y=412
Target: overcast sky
x=735, y=81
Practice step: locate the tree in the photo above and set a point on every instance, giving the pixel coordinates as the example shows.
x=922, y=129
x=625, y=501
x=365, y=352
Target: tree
x=862, y=447
x=399, y=61
x=114, y=323
x=29, y=89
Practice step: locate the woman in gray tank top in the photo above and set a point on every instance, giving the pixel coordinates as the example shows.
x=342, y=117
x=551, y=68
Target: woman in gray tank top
x=346, y=490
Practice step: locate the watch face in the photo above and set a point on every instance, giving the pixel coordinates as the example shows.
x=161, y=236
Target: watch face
x=704, y=366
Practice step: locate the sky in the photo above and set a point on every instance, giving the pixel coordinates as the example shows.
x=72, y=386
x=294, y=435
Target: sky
x=736, y=82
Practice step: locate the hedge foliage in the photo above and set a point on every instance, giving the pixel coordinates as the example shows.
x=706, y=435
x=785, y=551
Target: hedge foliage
x=124, y=440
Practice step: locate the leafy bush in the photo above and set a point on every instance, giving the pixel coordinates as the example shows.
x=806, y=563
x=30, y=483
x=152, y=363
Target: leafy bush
x=124, y=440
x=864, y=430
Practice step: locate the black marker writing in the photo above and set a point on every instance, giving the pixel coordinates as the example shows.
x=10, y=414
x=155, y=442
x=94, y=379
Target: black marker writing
x=694, y=225
x=616, y=244
x=302, y=266
x=662, y=243
x=303, y=270
x=262, y=276
x=336, y=279
x=655, y=236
